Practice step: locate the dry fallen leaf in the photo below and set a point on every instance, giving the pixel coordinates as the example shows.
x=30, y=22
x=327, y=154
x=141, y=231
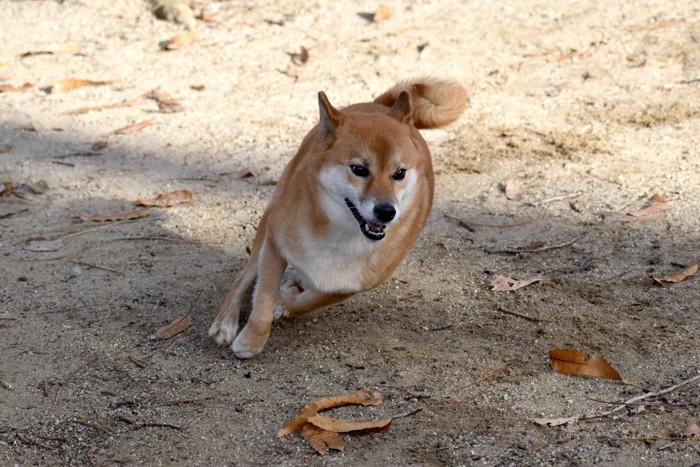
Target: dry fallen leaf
x=166, y=200
x=691, y=431
x=577, y=363
x=43, y=245
x=174, y=328
x=341, y=426
x=99, y=145
x=679, y=276
x=300, y=58
x=658, y=204
x=119, y=216
x=135, y=127
x=10, y=88
x=70, y=84
x=166, y=102
x=54, y=49
x=506, y=284
x=198, y=87
x=4, y=149
x=557, y=421
x=381, y=13
x=179, y=40
x=322, y=440
x=513, y=192
x=364, y=397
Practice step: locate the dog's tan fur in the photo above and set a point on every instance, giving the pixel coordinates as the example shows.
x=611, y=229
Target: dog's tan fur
x=346, y=210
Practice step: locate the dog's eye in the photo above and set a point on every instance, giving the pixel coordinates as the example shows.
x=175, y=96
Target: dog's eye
x=360, y=170
x=399, y=174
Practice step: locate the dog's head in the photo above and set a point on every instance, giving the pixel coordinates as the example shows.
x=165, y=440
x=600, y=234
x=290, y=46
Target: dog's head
x=372, y=162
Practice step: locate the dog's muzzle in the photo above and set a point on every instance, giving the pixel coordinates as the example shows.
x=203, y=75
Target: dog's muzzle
x=371, y=230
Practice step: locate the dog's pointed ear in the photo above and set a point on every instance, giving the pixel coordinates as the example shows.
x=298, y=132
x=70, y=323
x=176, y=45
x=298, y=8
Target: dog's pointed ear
x=401, y=110
x=331, y=118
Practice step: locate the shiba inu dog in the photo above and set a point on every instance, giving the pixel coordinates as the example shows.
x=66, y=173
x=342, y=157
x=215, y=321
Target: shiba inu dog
x=346, y=210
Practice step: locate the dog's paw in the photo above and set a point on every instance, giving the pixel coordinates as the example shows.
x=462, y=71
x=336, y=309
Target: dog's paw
x=244, y=347
x=279, y=312
x=223, y=332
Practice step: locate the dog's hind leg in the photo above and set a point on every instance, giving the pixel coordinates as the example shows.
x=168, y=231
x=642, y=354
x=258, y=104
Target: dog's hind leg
x=224, y=328
x=295, y=302
x=252, y=339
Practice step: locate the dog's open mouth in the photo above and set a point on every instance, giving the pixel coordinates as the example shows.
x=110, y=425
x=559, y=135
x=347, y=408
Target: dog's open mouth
x=370, y=229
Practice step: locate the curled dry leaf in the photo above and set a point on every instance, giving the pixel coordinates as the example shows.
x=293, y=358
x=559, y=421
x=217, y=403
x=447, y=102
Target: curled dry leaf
x=506, y=284
x=180, y=40
x=342, y=426
x=135, y=127
x=70, y=84
x=679, y=276
x=577, y=363
x=557, y=421
x=691, y=431
x=322, y=440
x=174, y=328
x=658, y=204
x=42, y=245
x=166, y=200
x=364, y=397
x=300, y=58
x=513, y=192
x=119, y=216
x=4, y=149
x=99, y=145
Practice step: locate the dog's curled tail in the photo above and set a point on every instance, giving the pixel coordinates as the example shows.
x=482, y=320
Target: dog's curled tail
x=435, y=102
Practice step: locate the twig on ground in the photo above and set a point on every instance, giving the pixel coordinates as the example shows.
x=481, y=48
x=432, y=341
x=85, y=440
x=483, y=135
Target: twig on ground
x=556, y=198
x=519, y=315
x=485, y=377
x=639, y=398
x=70, y=376
x=90, y=425
x=10, y=214
x=461, y=401
x=517, y=251
x=470, y=225
x=139, y=425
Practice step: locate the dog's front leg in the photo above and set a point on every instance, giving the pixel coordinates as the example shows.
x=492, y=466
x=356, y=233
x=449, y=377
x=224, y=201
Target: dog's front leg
x=295, y=303
x=252, y=338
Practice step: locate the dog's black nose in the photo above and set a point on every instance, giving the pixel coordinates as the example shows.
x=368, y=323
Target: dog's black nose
x=384, y=212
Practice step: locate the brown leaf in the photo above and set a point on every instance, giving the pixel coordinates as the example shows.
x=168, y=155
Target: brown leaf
x=577, y=363
x=166, y=102
x=381, y=13
x=557, y=421
x=135, y=127
x=70, y=84
x=364, y=397
x=513, y=192
x=322, y=440
x=342, y=426
x=658, y=204
x=54, y=49
x=99, y=145
x=10, y=88
x=4, y=149
x=174, y=328
x=198, y=87
x=179, y=40
x=506, y=284
x=166, y=200
x=301, y=58
x=691, y=431
x=119, y=216
x=43, y=245
x=679, y=276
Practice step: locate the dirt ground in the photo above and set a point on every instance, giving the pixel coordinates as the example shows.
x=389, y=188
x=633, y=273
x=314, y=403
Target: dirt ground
x=589, y=107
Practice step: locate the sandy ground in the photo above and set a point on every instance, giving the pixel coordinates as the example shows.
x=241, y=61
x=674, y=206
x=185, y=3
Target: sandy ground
x=594, y=102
